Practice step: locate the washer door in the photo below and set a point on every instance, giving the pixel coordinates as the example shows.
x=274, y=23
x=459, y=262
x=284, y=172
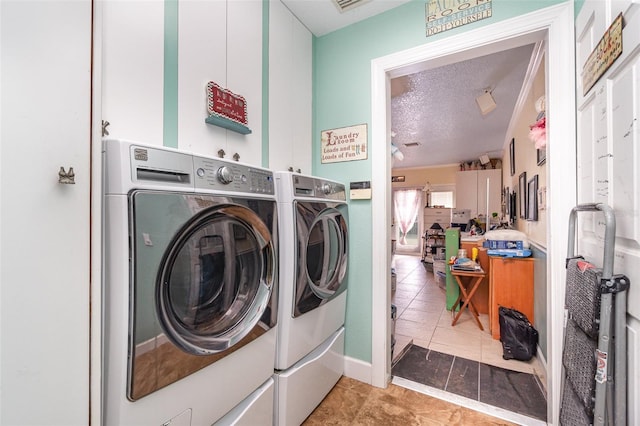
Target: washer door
x=321, y=253
x=203, y=282
x=214, y=281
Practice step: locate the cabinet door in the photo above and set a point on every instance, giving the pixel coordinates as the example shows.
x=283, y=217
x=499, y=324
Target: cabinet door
x=467, y=191
x=489, y=185
x=45, y=63
x=511, y=286
x=290, y=47
x=132, y=69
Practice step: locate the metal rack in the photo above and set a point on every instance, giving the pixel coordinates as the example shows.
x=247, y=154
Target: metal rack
x=433, y=240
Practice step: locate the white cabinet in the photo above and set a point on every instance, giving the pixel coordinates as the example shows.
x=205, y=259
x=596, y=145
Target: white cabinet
x=133, y=69
x=290, y=61
x=474, y=186
x=45, y=56
x=219, y=41
x=441, y=216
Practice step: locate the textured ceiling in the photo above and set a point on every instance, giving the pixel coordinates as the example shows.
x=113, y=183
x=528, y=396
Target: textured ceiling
x=437, y=109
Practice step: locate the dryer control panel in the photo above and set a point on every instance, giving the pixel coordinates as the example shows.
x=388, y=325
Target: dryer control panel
x=214, y=174
x=307, y=186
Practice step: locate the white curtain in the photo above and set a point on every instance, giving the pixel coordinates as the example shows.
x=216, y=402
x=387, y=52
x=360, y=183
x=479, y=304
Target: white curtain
x=406, y=204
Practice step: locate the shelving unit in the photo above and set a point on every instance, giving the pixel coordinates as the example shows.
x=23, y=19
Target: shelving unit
x=433, y=240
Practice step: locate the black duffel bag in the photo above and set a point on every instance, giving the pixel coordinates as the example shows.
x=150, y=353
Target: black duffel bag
x=519, y=338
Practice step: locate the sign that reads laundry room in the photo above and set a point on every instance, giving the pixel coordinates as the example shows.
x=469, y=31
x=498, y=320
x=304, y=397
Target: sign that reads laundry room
x=344, y=144
x=443, y=15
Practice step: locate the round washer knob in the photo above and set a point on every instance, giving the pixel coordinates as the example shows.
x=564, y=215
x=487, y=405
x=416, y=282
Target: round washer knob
x=224, y=175
x=326, y=188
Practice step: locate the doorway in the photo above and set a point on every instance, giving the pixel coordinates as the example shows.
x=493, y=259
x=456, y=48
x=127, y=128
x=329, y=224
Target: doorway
x=555, y=24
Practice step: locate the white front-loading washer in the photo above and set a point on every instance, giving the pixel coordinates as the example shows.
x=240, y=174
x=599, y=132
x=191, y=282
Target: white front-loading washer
x=190, y=288
x=313, y=291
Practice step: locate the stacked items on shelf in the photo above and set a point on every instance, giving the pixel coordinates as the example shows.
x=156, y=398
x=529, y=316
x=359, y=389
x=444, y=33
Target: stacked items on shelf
x=507, y=243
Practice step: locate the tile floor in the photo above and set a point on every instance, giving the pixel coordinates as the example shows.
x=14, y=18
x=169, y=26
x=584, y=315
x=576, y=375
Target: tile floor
x=422, y=318
x=513, y=391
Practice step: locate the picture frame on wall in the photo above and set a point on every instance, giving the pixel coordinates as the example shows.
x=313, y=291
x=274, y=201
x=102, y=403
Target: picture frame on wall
x=541, y=155
x=522, y=192
x=532, y=201
x=512, y=157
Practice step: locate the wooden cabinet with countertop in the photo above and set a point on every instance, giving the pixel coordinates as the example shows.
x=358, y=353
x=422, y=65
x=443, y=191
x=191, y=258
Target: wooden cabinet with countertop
x=511, y=286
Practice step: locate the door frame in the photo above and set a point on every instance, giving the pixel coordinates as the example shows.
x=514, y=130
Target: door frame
x=556, y=25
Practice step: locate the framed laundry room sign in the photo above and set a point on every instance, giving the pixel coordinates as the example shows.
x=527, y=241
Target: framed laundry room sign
x=344, y=144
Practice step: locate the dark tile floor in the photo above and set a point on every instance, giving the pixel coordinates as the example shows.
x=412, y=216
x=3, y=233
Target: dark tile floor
x=514, y=391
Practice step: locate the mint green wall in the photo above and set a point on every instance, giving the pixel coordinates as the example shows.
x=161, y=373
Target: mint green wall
x=342, y=97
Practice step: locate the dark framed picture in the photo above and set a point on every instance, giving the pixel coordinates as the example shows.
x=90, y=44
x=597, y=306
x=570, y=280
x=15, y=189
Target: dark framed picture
x=522, y=192
x=507, y=203
x=514, y=203
x=541, y=155
x=512, y=157
x=532, y=201
x=397, y=178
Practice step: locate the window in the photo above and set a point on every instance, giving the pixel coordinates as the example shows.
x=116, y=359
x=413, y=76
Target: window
x=442, y=198
x=442, y=195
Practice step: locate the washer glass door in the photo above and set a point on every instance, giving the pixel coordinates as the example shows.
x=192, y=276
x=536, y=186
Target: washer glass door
x=213, y=286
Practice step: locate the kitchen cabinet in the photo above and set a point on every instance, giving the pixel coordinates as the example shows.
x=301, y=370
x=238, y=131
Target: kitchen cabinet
x=511, y=286
x=474, y=186
x=290, y=86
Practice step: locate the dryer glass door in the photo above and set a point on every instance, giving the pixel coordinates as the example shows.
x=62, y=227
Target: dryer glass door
x=322, y=254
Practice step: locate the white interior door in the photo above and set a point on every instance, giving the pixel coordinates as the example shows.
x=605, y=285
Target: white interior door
x=609, y=159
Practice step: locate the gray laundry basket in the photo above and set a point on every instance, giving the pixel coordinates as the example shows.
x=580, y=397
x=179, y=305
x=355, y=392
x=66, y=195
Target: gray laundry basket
x=594, y=371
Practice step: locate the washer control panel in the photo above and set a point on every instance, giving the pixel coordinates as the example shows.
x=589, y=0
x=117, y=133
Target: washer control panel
x=217, y=174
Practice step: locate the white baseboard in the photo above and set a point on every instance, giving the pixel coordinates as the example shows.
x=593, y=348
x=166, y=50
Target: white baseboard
x=357, y=369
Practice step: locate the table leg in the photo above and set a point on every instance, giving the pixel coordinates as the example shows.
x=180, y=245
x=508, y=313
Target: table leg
x=467, y=301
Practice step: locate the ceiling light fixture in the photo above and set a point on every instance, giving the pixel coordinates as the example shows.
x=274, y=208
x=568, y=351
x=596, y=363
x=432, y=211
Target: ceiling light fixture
x=411, y=144
x=485, y=102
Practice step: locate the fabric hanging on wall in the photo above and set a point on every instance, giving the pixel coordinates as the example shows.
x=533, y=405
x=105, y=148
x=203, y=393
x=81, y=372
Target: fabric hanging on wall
x=407, y=204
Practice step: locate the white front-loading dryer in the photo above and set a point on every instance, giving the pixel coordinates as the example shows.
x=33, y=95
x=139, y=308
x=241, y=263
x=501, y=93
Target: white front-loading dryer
x=313, y=292
x=190, y=287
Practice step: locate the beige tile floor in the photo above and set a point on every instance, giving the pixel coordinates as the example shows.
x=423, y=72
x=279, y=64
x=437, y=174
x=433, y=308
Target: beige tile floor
x=422, y=318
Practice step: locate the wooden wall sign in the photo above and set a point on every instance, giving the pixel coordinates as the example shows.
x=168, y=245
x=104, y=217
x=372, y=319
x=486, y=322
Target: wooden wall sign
x=603, y=56
x=344, y=144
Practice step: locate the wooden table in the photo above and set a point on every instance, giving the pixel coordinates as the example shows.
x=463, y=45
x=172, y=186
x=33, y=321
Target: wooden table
x=473, y=280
